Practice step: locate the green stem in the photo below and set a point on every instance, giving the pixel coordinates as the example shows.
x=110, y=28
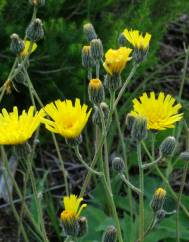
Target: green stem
x=106, y=156
x=144, y=166
x=179, y=199
x=113, y=105
x=184, y=73
x=182, y=185
x=130, y=185
x=141, y=195
x=32, y=94
x=113, y=208
x=20, y=194
x=79, y=156
x=123, y=145
x=6, y=165
x=37, y=200
x=166, y=181
x=131, y=74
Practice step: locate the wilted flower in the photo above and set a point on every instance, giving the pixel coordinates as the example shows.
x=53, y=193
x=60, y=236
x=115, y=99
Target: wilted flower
x=28, y=48
x=67, y=119
x=17, y=129
x=160, y=113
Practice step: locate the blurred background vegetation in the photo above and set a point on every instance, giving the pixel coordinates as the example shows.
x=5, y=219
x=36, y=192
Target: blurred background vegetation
x=56, y=72
x=56, y=65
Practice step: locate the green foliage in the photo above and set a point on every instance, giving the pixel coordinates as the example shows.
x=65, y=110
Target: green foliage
x=57, y=62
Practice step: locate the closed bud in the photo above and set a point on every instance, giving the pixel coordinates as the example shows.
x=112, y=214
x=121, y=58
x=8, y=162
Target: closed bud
x=184, y=156
x=87, y=60
x=118, y=164
x=167, y=146
x=96, y=49
x=160, y=215
x=158, y=199
x=139, y=129
x=122, y=40
x=35, y=31
x=129, y=121
x=38, y=3
x=112, y=82
x=17, y=44
x=89, y=32
x=83, y=226
x=110, y=235
x=96, y=116
x=96, y=91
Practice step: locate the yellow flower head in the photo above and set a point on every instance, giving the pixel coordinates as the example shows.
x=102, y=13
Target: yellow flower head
x=72, y=208
x=17, y=129
x=67, y=119
x=95, y=84
x=160, y=193
x=25, y=51
x=136, y=39
x=160, y=113
x=115, y=60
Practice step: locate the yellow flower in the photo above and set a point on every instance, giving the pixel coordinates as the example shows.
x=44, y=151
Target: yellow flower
x=67, y=119
x=95, y=84
x=72, y=208
x=136, y=39
x=115, y=60
x=160, y=193
x=160, y=113
x=25, y=51
x=17, y=129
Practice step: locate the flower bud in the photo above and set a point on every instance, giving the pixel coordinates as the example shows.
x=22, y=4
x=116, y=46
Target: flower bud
x=83, y=226
x=96, y=116
x=184, y=156
x=17, y=44
x=167, y=146
x=38, y=3
x=96, y=91
x=110, y=235
x=112, y=82
x=96, y=49
x=139, y=129
x=122, y=40
x=118, y=164
x=160, y=215
x=158, y=199
x=35, y=31
x=89, y=32
x=87, y=60
x=129, y=121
